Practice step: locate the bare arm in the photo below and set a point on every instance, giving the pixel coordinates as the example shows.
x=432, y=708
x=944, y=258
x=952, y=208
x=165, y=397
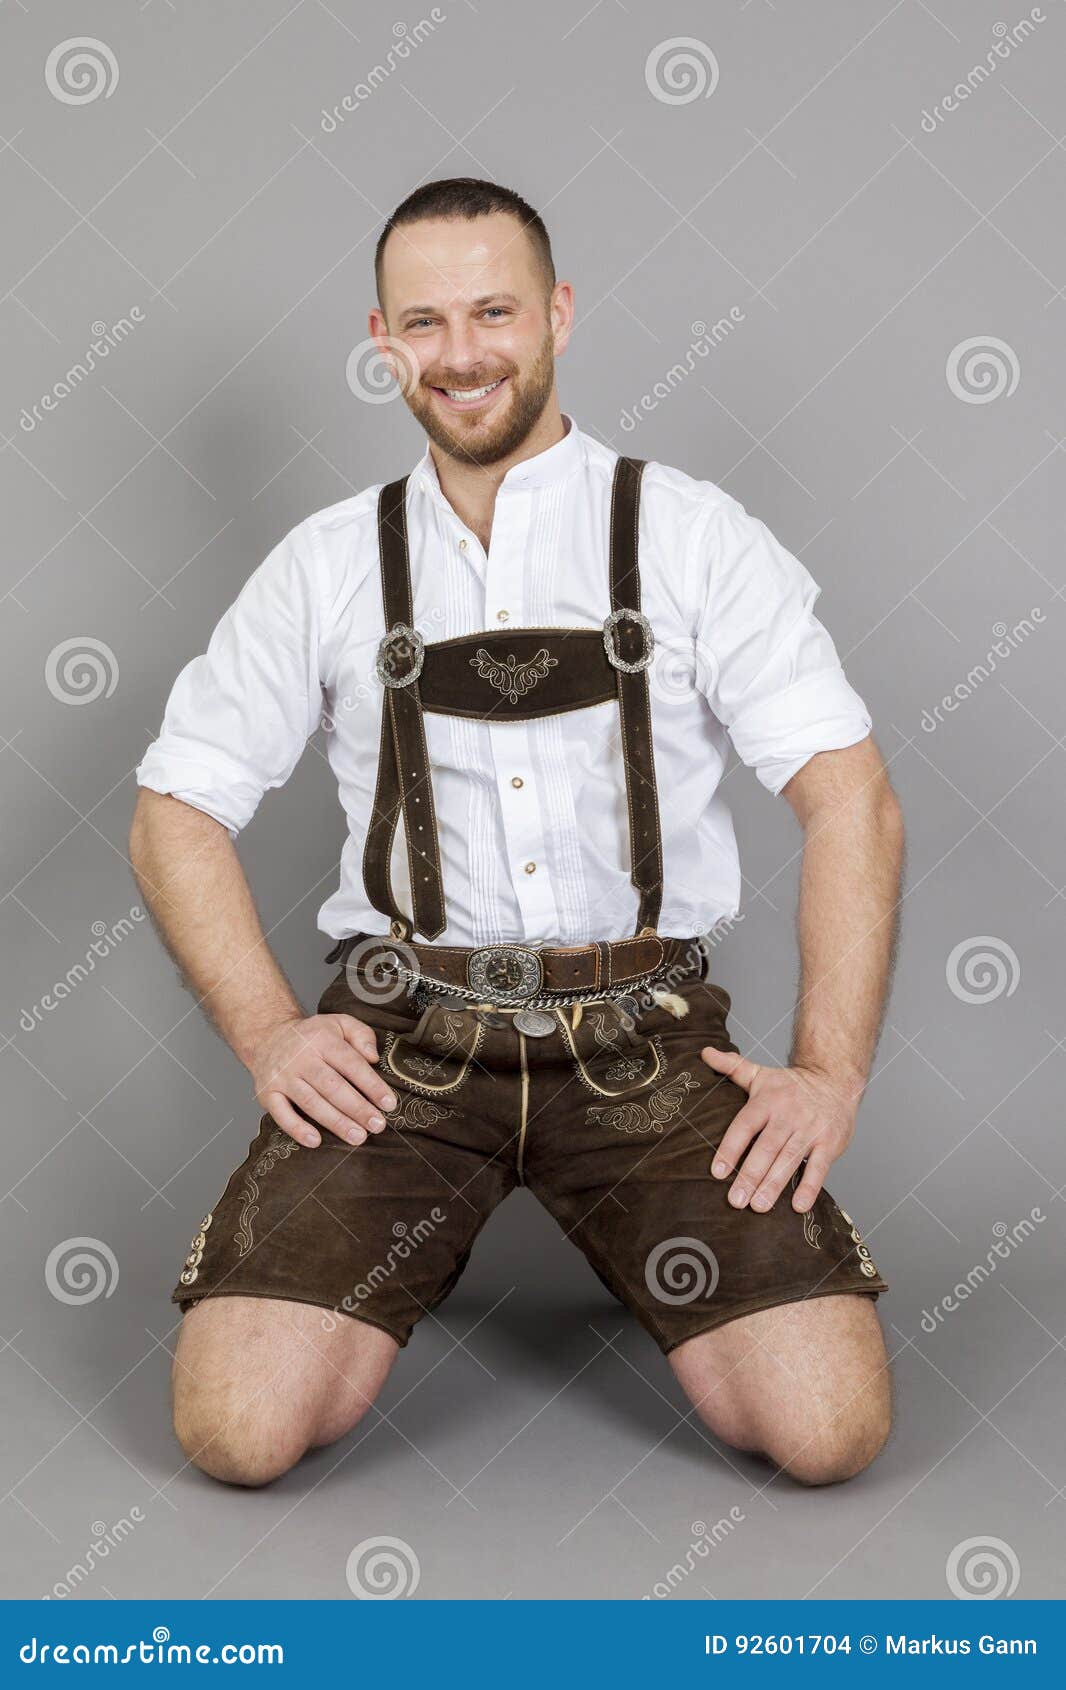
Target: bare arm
x=201, y=904
x=848, y=928
x=849, y=907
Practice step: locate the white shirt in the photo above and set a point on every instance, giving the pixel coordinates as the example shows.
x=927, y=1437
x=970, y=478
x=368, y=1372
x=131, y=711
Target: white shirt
x=739, y=651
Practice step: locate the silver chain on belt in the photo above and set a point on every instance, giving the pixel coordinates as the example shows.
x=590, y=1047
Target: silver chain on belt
x=539, y=1000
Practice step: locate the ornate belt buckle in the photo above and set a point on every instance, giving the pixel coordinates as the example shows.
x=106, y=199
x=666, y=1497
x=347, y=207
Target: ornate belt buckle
x=400, y=656
x=505, y=971
x=614, y=656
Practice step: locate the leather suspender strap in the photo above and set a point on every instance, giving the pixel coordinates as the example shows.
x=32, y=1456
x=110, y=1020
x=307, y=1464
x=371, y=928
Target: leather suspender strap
x=634, y=703
x=403, y=781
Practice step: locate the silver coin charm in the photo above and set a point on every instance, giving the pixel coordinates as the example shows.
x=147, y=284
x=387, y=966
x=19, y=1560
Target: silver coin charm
x=535, y=1022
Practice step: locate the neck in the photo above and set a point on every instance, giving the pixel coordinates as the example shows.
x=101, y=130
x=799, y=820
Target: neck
x=471, y=489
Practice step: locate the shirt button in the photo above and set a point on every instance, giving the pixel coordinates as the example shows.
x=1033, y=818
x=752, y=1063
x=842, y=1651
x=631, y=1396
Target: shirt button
x=531, y=868
x=502, y=615
x=462, y=545
x=516, y=780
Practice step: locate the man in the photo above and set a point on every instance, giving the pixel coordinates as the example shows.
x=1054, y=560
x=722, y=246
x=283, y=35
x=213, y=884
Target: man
x=530, y=651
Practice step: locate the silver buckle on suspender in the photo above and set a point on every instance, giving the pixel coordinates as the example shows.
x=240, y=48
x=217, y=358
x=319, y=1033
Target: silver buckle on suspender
x=623, y=614
x=400, y=656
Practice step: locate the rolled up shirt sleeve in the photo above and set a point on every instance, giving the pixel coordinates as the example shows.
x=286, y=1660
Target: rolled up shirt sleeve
x=767, y=666
x=239, y=715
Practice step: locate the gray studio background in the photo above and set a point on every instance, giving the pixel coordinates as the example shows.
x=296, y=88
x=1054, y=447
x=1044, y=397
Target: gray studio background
x=886, y=392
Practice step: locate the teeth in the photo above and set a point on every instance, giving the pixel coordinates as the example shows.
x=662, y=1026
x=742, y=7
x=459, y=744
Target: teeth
x=471, y=392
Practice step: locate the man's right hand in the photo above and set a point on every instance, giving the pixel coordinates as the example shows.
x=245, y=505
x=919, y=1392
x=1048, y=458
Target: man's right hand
x=323, y=1063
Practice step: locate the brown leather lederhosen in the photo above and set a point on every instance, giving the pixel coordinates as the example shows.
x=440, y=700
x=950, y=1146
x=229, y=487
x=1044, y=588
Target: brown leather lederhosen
x=574, y=1069
x=517, y=675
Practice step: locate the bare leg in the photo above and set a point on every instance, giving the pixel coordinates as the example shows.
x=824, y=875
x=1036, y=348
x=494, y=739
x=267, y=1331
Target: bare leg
x=805, y=1384
x=257, y=1382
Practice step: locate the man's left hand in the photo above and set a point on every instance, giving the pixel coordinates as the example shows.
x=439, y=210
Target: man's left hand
x=792, y=1115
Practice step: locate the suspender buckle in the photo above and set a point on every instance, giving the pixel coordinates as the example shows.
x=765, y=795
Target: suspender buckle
x=400, y=656
x=639, y=655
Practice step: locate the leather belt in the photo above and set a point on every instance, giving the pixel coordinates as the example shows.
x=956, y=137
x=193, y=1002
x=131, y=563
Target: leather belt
x=515, y=972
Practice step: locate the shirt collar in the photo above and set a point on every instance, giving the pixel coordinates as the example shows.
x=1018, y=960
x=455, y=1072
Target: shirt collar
x=543, y=469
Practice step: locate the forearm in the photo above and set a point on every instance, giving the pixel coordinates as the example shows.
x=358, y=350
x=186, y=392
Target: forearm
x=201, y=904
x=847, y=928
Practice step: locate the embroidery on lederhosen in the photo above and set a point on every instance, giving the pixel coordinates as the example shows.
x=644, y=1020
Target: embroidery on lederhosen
x=453, y=1034
x=812, y=1229
x=415, y=1111
x=508, y=676
x=279, y=1146
x=192, y=1261
x=652, y=1116
x=610, y=1060
x=867, y=1265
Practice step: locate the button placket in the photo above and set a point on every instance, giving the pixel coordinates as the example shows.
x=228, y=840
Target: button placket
x=504, y=577
x=523, y=825
x=510, y=742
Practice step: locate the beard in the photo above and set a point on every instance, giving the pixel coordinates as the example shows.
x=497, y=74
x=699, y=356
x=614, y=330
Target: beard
x=505, y=429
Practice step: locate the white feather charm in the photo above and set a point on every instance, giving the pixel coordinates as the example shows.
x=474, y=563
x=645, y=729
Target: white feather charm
x=673, y=1001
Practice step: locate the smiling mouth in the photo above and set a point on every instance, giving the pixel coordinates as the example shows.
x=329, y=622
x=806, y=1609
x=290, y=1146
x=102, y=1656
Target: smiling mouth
x=467, y=398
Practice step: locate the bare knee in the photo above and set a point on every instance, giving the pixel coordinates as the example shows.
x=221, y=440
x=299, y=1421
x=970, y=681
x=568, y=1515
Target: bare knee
x=257, y=1383
x=238, y=1449
x=837, y=1449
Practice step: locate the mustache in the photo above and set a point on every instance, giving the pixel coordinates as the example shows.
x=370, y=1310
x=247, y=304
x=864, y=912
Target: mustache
x=466, y=384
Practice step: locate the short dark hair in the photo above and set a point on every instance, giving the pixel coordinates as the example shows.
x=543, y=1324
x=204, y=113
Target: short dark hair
x=466, y=196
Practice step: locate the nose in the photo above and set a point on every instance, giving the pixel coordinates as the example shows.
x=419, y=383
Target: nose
x=462, y=354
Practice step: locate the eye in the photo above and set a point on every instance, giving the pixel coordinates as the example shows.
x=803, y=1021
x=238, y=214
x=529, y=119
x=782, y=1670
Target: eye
x=502, y=309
